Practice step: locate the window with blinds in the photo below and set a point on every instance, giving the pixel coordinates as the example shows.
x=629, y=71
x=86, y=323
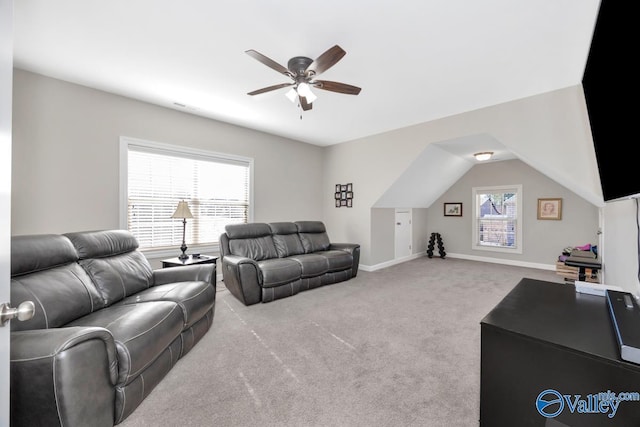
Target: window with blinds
x=497, y=213
x=216, y=188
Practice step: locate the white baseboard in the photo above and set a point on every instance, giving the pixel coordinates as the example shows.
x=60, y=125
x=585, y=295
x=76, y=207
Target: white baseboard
x=539, y=266
x=390, y=263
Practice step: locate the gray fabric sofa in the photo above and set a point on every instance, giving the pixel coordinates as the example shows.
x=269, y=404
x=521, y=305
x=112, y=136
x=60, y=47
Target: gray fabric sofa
x=106, y=329
x=262, y=262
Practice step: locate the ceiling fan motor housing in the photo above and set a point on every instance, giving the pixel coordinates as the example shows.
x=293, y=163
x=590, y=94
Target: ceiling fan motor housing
x=298, y=65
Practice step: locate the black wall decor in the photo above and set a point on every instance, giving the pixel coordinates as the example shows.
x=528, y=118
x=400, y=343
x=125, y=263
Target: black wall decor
x=344, y=195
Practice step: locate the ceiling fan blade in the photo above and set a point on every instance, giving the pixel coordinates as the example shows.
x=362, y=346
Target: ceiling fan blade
x=304, y=104
x=326, y=60
x=269, y=62
x=336, y=87
x=270, y=88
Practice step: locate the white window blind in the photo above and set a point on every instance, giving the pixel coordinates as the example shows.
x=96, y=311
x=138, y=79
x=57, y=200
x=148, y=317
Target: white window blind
x=217, y=190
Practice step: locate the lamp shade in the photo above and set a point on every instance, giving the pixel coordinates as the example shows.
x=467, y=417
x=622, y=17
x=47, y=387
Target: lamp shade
x=182, y=211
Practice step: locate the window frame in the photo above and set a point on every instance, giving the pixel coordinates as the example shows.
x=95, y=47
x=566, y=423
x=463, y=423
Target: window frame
x=475, y=191
x=179, y=151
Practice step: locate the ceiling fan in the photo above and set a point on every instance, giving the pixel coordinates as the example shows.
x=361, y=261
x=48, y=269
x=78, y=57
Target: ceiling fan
x=302, y=71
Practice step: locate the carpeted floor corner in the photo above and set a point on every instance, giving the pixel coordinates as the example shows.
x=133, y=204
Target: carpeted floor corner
x=395, y=347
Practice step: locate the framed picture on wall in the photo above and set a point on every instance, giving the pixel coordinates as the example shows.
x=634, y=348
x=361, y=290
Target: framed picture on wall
x=550, y=208
x=453, y=209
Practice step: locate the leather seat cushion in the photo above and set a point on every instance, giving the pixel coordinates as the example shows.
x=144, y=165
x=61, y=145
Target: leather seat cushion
x=312, y=264
x=141, y=332
x=194, y=298
x=338, y=260
x=278, y=271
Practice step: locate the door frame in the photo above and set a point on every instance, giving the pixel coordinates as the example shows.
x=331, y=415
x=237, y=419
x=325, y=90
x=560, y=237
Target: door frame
x=6, y=105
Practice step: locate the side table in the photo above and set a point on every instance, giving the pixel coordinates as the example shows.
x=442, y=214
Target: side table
x=177, y=262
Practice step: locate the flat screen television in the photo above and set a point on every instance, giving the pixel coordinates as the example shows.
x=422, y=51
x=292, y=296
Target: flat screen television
x=610, y=84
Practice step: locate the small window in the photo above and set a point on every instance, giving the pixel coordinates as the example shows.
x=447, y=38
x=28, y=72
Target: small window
x=497, y=224
x=155, y=177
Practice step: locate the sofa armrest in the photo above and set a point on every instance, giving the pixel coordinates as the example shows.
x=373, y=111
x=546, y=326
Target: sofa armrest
x=353, y=249
x=63, y=377
x=243, y=278
x=199, y=272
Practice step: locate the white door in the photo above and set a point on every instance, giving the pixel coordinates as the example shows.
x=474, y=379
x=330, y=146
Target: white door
x=403, y=233
x=6, y=86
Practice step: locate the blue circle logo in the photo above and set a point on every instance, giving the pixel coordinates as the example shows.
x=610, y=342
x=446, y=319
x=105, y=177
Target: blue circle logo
x=549, y=403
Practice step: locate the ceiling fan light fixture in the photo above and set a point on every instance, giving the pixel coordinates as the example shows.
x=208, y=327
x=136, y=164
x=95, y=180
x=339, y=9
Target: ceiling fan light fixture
x=305, y=91
x=483, y=156
x=292, y=95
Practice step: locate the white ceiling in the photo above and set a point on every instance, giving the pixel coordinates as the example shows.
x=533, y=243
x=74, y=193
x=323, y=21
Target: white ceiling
x=415, y=61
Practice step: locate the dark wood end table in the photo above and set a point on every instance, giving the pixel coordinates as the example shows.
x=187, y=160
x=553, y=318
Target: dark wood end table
x=177, y=262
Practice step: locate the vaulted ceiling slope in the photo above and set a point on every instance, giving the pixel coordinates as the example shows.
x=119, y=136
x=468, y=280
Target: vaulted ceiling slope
x=416, y=61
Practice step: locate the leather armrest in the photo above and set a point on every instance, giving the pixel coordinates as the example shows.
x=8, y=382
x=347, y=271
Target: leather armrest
x=354, y=250
x=349, y=247
x=243, y=278
x=63, y=376
x=198, y=272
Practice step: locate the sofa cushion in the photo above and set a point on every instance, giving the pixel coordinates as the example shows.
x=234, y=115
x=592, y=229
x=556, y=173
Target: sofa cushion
x=32, y=253
x=194, y=298
x=338, y=260
x=278, y=271
x=102, y=243
x=44, y=270
x=141, y=332
x=112, y=260
x=60, y=294
x=313, y=235
x=286, y=239
x=251, y=241
x=312, y=264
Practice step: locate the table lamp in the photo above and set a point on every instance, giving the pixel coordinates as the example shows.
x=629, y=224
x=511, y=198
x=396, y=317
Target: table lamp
x=182, y=211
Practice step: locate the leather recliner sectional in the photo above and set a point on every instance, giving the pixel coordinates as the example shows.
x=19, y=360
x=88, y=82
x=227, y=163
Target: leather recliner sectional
x=262, y=262
x=106, y=329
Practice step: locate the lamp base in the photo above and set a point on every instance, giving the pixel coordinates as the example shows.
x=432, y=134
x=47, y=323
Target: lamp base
x=184, y=255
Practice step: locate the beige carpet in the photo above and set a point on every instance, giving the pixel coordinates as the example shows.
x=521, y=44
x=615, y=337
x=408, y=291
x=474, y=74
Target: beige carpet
x=395, y=347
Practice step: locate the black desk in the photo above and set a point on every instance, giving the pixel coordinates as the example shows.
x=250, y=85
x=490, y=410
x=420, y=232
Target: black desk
x=544, y=336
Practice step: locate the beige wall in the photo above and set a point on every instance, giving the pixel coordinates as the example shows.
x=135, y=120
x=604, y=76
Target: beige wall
x=549, y=132
x=66, y=157
x=542, y=240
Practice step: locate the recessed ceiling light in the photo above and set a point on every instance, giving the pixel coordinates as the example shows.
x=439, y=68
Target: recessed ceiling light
x=485, y=155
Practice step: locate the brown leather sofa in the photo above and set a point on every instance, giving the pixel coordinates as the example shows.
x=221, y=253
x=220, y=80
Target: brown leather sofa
x=263, y=262
x=106, y=329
